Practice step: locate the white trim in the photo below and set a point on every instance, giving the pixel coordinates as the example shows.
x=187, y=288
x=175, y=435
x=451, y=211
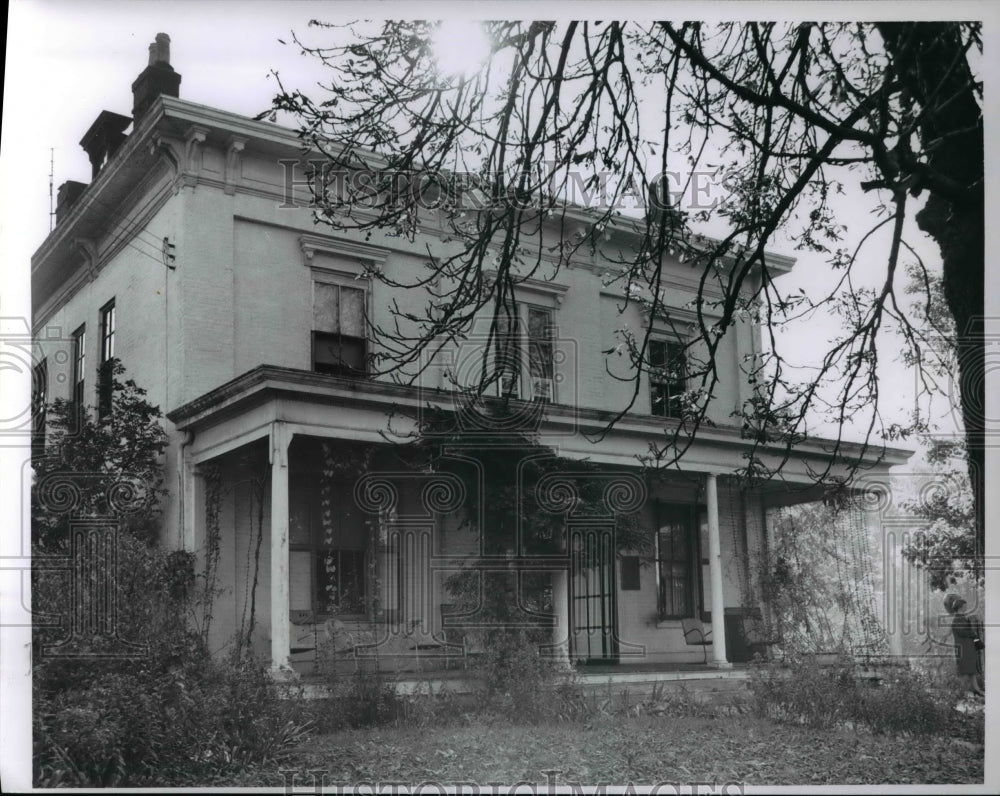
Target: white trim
x=538, y=290
x=355, y=259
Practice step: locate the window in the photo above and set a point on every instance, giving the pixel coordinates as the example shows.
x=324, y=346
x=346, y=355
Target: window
x=108, y=331
x=339, y=344
x=79, y=366
x=667, y=378
x=676, y=554
x=105, y=374
x=39, y=398
x=538, y=373
x=327, y=562
x=540, y=355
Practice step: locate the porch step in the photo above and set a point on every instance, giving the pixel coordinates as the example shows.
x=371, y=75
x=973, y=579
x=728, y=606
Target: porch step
x=704, y=685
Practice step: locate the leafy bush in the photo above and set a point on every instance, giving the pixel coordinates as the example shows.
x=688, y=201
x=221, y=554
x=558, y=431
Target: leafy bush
x=806, y=693
x=371, y=700
x=905, y=702
x=174, y=727
x=142, y=702
x=519, y=682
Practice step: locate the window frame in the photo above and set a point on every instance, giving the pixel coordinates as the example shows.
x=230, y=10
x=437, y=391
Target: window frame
x=108, y=327
x=686, y=515
x=522, y=382
x=39, y=405
x=308, y=500
x=105, y=376
x=340, y=283
x=659, y=376
x=79, y=369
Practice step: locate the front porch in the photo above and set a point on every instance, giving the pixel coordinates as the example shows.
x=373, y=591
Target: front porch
x=330, y=554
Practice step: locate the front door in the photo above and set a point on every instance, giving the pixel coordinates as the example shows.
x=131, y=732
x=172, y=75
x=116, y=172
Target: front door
x=594, y=633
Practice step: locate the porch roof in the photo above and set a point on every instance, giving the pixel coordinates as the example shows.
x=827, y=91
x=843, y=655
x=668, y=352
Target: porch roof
x=245, y=409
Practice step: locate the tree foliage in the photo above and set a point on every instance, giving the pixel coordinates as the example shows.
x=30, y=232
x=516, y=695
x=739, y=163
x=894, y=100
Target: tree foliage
x=820, y=584
x=801, y=119
x=520, y=497
x=100, y=466
x=945, y=543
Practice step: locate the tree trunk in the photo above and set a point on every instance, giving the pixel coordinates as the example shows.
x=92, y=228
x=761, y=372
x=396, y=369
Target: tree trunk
x=932, y=68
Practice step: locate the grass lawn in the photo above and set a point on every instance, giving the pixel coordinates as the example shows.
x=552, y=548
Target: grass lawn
x=643, y=750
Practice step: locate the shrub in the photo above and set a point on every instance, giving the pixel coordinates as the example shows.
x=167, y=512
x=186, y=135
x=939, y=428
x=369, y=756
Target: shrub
x=163, y=728
x=905, y=702
x=519, y=682
x=804, y=692
x=371, y=700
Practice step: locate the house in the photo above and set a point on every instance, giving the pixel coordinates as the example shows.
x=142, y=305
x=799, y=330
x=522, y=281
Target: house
x=192, y=256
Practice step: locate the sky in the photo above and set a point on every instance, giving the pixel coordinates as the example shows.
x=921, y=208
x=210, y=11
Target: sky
x=67, y=61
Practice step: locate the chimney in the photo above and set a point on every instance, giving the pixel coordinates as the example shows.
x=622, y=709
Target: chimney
x=68, y=193
x=157, y=78
x=103, y=138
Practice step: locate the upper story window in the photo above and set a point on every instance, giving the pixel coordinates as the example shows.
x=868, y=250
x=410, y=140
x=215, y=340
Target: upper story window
x=339, y=342
x=667, y=377
x=108, y=331
x=39, y=399
x=530, y=378
x=105, y=374
x=79, y=364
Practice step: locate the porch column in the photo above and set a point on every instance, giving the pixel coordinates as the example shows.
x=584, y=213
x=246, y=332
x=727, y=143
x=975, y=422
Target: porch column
x=715, y=569
x=191, y=489
x=560, y=633
x=280, y=617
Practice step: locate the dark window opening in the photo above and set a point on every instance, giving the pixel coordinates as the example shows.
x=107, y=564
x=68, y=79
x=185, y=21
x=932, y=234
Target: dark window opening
x=676, y=555
x=540, y=354
x=339, y=342
x=39, y=405
x=329, y=557
x=79, y=371
x=667, y=378
x=508, y=346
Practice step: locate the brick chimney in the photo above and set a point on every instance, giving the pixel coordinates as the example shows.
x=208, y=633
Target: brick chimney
x=103, y=138
x=156, y=79
x=69, y=192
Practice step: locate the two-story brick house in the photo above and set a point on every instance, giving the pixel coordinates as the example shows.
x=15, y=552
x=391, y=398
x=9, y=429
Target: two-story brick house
x=193, y=258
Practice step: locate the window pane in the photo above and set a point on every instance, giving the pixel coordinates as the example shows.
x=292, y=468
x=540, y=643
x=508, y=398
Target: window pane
x=352, y=312
x=107, y=332
x=657, y=356
x=338, y=355
x=675, y=361
x=300, y=577
x=676, y=565
x=341, y=581
x=326, y=312
x=79, y=355
x=540, y=342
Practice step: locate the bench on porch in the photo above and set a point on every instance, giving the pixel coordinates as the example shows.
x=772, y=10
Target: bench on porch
x=742, y=646
x=696, y=635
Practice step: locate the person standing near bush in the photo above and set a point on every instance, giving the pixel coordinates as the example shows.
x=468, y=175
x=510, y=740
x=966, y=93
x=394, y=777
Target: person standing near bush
x=968, y=632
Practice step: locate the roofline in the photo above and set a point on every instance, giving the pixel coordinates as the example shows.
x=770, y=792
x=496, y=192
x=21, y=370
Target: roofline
x=276, y=137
